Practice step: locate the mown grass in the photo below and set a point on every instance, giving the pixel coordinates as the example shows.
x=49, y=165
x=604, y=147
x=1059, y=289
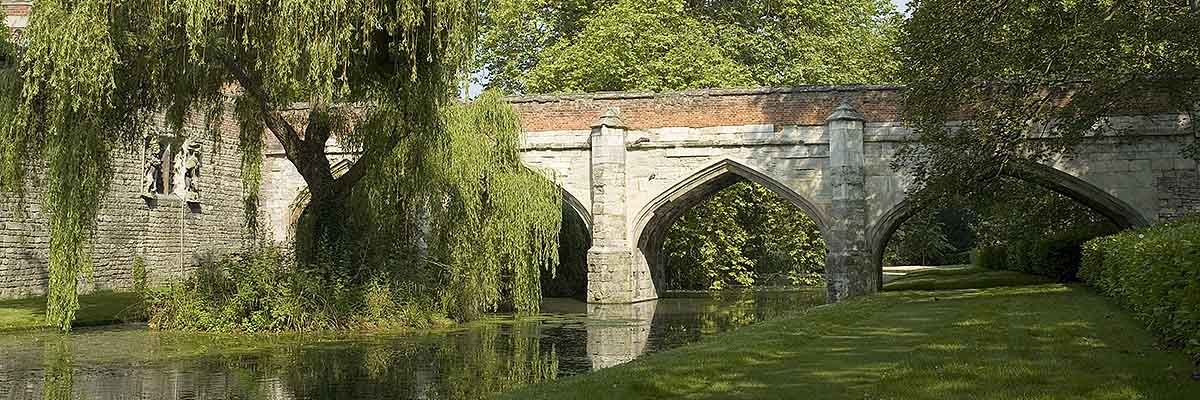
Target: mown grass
x=1046, y=341
x=101, y=308
x=966, y=277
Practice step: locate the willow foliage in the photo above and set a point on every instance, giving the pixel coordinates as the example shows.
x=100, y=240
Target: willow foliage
x=494, y=224
x=58, y=122
x=96, y=72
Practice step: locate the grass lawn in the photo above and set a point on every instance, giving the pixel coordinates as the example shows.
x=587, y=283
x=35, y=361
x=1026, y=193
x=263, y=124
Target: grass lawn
x=101, y=308
x=1045, y=341
x=967, y=277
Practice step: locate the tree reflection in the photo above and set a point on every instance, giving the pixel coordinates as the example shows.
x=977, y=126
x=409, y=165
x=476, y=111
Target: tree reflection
x=484, y=361
x=59, y=379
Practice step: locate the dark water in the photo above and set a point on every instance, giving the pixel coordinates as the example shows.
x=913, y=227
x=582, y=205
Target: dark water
x=474, y=361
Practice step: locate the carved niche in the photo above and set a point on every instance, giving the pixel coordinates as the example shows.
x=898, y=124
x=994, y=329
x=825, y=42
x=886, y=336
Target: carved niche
x=172, y=166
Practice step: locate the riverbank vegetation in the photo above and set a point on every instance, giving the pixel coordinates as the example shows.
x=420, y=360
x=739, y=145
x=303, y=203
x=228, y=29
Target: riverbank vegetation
x=1044, y=341
x=474, y=238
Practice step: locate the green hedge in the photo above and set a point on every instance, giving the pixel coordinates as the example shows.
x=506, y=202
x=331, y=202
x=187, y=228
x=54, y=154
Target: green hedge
x=991, y=257
x=1155, y=273
x=1056, y=257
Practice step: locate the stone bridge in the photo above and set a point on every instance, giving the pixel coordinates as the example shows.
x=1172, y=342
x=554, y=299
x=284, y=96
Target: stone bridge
x=630, y=164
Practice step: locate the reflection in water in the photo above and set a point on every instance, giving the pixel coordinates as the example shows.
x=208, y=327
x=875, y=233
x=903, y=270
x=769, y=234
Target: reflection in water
x=619, y=343
x=59, y=379
x=474, y=361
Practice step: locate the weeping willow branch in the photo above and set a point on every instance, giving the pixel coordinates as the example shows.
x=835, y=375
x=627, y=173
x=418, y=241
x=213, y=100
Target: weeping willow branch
x=95, y=71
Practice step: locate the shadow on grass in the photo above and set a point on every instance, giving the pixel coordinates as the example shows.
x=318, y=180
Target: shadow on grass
x=96, y=309
x=963, y=278
x=1047, y=341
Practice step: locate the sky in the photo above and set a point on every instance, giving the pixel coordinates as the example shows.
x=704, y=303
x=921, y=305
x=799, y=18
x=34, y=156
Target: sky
x=901, y=5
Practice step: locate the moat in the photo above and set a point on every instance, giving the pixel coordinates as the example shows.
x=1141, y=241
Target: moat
x=470, y=361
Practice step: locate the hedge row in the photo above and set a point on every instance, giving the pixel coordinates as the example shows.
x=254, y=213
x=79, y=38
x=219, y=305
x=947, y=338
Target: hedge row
x=1056, y=257
x=1155, y=273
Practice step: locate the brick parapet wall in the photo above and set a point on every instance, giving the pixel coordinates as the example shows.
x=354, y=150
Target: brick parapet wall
x=15, y=13
x=16, y=8
x=170, y=235
x=803, y=105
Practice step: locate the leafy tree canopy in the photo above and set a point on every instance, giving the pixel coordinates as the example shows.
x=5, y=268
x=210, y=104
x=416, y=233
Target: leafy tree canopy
x=1046, y=68
x=744, y=235
x=594, y=45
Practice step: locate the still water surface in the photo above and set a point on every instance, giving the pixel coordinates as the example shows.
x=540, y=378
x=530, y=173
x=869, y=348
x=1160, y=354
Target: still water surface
x=472, y=361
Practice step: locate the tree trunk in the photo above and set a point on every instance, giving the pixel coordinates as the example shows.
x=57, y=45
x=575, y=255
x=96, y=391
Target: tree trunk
x=321, y=233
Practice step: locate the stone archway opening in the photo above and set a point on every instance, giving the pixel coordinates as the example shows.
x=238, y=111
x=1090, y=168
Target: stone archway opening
x=569, y=278
x=743, y=236
x=705, y=217
x=1034, y=220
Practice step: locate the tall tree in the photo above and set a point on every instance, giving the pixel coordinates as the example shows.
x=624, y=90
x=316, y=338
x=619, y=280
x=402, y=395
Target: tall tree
x=1052, y=69
x=592, y=45
x=95, y=72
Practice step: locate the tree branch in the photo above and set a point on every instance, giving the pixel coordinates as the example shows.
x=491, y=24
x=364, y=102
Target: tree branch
x=283, y=131
x=309, y=161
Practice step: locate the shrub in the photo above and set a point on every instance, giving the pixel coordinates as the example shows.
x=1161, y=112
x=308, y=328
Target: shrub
x=1057, y=256
x=1155, y=273
x=265, y=290
x=139, y=274
x=992, y=257
x=962, y=257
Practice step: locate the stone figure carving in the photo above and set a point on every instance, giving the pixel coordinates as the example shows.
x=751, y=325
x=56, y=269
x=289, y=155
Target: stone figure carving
x=191, y=171
x=153, y=167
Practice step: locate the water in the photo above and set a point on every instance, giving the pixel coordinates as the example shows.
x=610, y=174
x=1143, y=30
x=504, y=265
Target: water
x=477, y=360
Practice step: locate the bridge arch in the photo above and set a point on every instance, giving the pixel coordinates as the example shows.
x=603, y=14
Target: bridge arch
x=656, y=217
x=569, y=279
x=572, y=204
x=1116, y=210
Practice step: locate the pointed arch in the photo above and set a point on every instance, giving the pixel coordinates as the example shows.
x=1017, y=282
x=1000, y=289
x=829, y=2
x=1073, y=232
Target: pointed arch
x=570, y=202
x=656, y=218
x=1116, y=210
x=710, y=180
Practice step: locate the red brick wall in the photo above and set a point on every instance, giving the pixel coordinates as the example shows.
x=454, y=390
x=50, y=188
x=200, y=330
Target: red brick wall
x=16, y=10
x=807, y=105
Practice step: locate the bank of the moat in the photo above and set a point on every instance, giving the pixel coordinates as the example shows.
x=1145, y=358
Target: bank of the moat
x=471, y=361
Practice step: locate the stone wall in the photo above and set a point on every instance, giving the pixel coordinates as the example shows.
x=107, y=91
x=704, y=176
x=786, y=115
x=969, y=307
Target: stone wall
x=168, y=233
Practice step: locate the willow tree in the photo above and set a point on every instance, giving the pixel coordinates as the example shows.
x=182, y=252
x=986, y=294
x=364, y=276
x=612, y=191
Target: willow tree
x=94, y=73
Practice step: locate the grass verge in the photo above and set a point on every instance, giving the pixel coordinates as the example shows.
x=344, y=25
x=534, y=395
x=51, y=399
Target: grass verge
x=1048, y=341
x=101, y=308
x=963, y=278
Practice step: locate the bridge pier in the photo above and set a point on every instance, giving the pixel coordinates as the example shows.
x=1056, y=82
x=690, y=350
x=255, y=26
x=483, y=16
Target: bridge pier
x=610, y=260
x=849, y=270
